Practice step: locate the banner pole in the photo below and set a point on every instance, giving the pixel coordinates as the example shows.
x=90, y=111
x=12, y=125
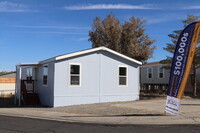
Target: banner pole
x=181, y=65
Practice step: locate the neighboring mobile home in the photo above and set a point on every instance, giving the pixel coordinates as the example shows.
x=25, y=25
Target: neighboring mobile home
x=154, y=77
x=90, y=76
x=7, y=84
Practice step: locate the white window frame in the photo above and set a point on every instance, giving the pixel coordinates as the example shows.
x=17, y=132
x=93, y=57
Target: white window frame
x=148, y=72
x=159, y=73
x=69, y=75
x=46, y=65
x=125, y=76
x=28, y=70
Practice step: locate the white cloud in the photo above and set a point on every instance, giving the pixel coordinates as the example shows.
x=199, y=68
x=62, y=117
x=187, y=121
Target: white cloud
x=164, y=18
x=191, y=7
x=52, y=27
x=42, y=29
x=83, y=39
x=6, y=6
x=109, y=6
x=53, y=32
x=157, y=20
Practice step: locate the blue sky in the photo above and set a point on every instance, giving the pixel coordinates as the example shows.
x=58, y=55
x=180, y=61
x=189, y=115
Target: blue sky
x=34, y=30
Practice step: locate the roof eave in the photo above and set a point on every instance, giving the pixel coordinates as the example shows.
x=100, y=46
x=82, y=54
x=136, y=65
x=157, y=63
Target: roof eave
x=28, y=64
x=47, y=61
x=97, y=49
x=81, y=53
x=123, y=56
x=77, y=53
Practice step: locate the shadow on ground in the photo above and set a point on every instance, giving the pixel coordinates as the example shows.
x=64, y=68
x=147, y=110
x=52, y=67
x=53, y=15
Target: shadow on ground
x=190, y=104
x=8, y=102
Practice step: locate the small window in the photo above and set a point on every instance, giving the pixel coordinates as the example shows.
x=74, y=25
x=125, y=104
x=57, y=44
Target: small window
x=29, y=73
x=122, y=76
x=161, y=72
x=45, y=75
x=74, y=75
x=149, y=72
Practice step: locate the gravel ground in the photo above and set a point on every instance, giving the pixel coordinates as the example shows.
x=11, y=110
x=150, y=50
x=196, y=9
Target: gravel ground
x=111, y=108
x=100, y=108
x=147, y=107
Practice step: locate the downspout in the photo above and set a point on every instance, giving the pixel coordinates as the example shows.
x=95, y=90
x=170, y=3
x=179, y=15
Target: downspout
x=100, y=77
x=140, y=84
x=20, y=75
x=15, y=100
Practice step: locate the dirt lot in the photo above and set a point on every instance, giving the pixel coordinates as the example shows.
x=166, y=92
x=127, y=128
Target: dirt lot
x=153, y=106
x=149, y=111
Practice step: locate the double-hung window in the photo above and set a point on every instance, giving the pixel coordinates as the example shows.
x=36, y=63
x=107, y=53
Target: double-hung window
x=122, y=76
x=150, y=72
x=29, y=73
x=161, y=72
x=45, y=75
x=75, y=75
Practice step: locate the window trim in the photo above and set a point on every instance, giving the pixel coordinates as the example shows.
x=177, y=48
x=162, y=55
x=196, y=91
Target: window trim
x=29, y=75
x=69, y=75
x=119, y=76
x=28, y=70
x=45, y=65
x=151, y=72
x=159, y=72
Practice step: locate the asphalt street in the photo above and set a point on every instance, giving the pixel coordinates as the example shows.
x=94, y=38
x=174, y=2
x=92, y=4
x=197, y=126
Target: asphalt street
x=10, y=124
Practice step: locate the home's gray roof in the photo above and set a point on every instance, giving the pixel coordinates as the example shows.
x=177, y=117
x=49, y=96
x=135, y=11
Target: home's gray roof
x=152, y=63
x=28, y=64
x=65, y=56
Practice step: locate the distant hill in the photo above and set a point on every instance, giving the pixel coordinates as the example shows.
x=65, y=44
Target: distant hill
x=6, y=72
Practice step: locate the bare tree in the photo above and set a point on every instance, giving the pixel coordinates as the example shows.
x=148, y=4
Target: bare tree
x=129, y=38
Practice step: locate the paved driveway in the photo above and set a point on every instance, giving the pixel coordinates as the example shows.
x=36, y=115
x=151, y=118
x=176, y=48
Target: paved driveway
x=10, y=124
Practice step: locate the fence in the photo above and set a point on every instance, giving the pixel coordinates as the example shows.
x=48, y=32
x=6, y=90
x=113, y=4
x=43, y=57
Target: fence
x=7, y=89
x=7, y=93
x=7, y=98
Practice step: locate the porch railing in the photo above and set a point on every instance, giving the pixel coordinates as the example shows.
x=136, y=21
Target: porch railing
x=27, y=87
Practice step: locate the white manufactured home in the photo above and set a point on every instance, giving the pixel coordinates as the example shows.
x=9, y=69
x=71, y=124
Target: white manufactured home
x=90, y=76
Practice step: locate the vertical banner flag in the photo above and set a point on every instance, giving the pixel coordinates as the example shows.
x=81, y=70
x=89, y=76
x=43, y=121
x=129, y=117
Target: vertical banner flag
x=181, y=65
